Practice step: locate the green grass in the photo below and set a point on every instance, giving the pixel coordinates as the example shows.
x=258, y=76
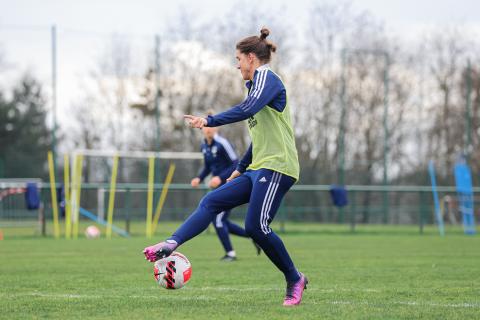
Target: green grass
x=376, y=273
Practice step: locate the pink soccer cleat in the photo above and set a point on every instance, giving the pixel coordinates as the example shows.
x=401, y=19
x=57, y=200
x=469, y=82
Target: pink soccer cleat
x=294, y=292
x=159, y=250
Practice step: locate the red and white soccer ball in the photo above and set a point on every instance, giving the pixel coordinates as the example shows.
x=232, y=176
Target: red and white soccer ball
x=172, y=272
x=92, y=232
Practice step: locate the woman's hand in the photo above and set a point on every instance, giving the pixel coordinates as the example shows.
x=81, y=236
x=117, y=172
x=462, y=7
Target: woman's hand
x=195, y=182
x=234, y=175
x=215, y=182
x=195, y=122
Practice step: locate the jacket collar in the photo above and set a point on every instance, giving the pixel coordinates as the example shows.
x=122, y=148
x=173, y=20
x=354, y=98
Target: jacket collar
x=263, y=67
x=215, y=136
x=249, y=83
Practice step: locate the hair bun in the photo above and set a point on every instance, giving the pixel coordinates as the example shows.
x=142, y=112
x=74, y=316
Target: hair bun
x=271, y=46
x=264, y=33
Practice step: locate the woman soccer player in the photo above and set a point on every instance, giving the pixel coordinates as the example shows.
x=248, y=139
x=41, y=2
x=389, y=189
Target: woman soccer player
x=266, y=172
x=220, y=159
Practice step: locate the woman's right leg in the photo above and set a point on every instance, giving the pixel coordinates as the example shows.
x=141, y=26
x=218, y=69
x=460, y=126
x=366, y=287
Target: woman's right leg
x=230, y=195
x=226, y=197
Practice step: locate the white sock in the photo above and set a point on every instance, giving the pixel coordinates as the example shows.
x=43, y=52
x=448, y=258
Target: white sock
x=231, y=253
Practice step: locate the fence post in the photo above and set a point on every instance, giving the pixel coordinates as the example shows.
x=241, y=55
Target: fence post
x=41, y=220
x=352, y=211
x=386, y=211
x=422, y=211
x=127, y=215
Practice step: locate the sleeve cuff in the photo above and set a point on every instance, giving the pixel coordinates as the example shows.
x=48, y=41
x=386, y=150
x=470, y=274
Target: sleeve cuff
x=209, y=121
x=241, y=168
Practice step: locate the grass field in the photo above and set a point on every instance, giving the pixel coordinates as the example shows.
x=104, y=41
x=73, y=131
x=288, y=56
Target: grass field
x=376, y=273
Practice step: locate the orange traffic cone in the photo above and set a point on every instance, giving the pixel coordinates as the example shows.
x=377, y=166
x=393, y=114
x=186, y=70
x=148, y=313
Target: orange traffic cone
x=1, y=235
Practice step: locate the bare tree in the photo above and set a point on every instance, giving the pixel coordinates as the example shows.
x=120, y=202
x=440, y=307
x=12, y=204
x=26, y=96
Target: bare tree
x=86, y=132
x=470, y=86
x=375, y=140
x=447, y=59
x=336, y=28
x=111, y=78
x=315, y=91
x=103, y=119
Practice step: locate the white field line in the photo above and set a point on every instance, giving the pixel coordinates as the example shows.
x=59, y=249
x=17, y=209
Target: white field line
x=408, y=303
x=106, y=296
x=207, y=298
x=310, y=289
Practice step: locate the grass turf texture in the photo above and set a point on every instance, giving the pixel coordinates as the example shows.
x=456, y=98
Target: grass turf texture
x=376, y=273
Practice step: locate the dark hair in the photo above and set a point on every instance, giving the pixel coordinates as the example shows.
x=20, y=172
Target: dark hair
x=260, y=46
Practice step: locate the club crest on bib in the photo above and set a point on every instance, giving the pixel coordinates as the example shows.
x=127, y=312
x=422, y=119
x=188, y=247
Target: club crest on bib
x=252, y=122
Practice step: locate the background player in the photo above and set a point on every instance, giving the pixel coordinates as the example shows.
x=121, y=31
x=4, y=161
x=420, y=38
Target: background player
x=220, y=160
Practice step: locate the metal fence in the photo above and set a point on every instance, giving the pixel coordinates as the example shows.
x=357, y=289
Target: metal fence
x=405, y=205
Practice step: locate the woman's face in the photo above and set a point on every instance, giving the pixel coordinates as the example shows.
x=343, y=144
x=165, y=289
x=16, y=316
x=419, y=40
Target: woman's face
x=209, y=132
x=245, y=64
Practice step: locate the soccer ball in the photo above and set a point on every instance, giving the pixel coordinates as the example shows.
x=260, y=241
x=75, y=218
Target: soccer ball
x=172, y=272
x=92, y=232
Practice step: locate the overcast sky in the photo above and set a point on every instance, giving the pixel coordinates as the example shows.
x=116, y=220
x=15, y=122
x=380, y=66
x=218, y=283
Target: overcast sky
x=25, y=37
x=147, y=16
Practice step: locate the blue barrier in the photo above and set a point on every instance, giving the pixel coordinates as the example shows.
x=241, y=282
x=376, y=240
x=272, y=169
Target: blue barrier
x=339, y=195
x=93, y=217
x=463, y=181
x=32, y=196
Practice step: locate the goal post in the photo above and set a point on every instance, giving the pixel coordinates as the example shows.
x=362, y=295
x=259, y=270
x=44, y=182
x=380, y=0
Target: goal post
x=111, y=198
x=53, y=192
x=153, y=211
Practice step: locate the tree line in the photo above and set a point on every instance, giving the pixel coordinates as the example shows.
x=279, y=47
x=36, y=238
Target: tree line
x=337, y=68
